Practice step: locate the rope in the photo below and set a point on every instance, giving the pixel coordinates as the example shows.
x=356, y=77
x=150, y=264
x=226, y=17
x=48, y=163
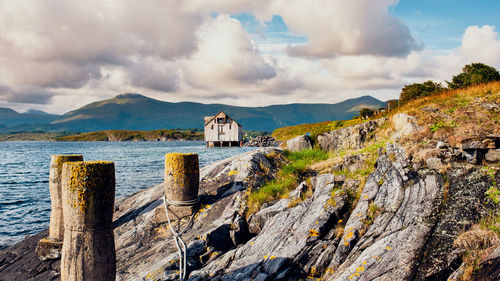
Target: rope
x=181, y=203
x=179, y=243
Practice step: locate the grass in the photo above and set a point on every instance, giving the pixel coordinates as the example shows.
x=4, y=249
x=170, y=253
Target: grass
x=287, y=178
x=315, y=129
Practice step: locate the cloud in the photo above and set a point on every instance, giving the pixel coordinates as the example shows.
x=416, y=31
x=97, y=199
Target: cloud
x=152, y=73
x=225, y=56
x=62, y=55
x=479, y=44
x=65, y=44
x=338, y=27
x=26, y=95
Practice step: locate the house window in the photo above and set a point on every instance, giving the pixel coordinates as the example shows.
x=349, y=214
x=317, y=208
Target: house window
x=221, y=129
x=212, y=127
x=229, y=127
x=220, y=120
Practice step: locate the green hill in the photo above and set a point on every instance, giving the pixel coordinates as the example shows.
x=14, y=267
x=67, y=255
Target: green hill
x=10, y=118
x=137, y=112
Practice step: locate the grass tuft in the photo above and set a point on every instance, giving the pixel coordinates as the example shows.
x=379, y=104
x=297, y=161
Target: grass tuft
x=287, y=178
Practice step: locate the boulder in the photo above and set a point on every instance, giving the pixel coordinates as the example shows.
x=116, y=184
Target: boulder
x=299, y=143
x=475, y=143
x=493, y=155
x=353, y=137
x=433, y=163
x=404, y=124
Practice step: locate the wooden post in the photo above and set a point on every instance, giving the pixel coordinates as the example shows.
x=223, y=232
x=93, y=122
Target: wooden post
x=88, y=192
x=50, y=247
x=182, y=180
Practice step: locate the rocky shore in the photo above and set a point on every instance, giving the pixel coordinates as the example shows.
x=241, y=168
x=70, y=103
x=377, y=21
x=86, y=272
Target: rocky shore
x=262, y=141
x=402, y=222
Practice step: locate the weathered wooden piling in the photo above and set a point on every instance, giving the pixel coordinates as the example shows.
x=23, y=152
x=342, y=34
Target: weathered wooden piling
x=50, y=247
x=182, y=181
x=88, y=192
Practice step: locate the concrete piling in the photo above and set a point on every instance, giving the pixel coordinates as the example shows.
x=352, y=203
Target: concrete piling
x=50, y=247
x=182, y=181
x=88, y=251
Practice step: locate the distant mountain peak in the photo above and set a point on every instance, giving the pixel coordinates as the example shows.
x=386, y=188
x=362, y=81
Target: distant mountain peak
x=7, y=110
x=130, y=96
x=38, y=112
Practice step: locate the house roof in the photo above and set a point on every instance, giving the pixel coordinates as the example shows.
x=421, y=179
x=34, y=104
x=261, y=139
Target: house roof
x=208, y=119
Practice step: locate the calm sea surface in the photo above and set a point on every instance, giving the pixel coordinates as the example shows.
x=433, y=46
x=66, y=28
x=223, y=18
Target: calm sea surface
x=24, y=175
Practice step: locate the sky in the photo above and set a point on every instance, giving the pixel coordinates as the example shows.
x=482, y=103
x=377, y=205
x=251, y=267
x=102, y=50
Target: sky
x=58, y=55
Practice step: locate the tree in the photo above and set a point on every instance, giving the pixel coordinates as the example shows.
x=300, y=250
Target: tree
x=418, y=90
x=473, y=74
x=392, y=104
x=366, y=112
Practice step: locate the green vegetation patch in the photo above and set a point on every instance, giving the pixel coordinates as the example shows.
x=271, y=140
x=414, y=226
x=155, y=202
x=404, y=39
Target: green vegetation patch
x=126, y=135
x=30, y=136
x=288, y=177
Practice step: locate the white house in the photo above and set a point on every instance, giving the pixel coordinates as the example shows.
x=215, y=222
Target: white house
x=222, y=130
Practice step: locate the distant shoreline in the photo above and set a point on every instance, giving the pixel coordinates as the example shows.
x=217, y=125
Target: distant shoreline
x=108, y=135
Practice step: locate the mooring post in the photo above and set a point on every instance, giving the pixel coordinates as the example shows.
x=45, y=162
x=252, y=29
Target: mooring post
x=182, y=180
x=88, y=195
x=50, y=247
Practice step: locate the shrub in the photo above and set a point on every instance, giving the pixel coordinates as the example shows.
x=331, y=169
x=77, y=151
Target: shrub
x=418, y=90
x=366, y=112
x=473, y=74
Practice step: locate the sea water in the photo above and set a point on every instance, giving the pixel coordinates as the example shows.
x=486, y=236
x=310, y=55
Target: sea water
x=24, y=175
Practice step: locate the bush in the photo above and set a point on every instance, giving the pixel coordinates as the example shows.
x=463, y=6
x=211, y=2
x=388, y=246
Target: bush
x=418, y=90
x=473, y=74
x=366, y=112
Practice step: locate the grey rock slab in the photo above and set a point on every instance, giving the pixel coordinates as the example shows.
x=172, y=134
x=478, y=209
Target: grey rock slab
x=145, y=247
x=389, y=247
x=303, y=224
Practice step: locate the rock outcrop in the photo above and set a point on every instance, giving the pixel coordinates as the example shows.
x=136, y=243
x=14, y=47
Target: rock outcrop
x=262, y=141
x=299, y=143
x=353, y=137
x=143, y=245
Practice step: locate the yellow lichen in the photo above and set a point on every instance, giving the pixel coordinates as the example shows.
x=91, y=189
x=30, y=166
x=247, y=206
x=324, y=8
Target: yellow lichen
x=87, y=179
x=354, y=275
x=313, y=232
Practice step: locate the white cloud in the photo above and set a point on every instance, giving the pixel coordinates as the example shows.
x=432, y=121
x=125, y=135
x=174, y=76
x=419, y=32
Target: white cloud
x=479, y=44
x=225, y=56
x=338, y=27
x=64, y=54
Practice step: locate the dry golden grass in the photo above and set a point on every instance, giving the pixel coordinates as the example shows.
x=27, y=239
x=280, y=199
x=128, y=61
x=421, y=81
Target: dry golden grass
x=452, y=115
x=424, y=154
x=339, y=231
x=477, y=243
x=476, y=239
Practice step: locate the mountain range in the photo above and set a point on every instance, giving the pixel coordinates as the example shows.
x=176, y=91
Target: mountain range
x=138, y=112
